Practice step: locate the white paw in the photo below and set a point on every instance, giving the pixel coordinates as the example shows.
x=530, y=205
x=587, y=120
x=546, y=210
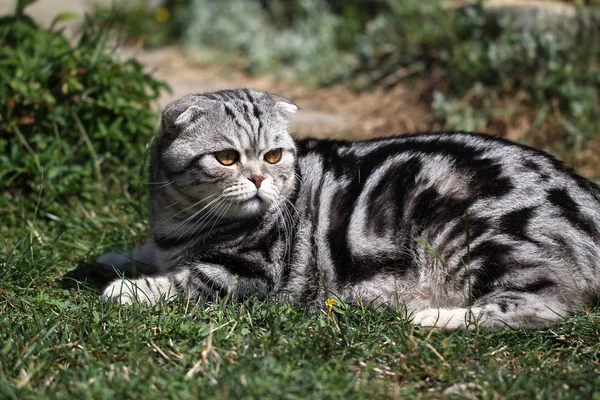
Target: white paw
x=122, y=291
x=144, y=290
x=456, y=318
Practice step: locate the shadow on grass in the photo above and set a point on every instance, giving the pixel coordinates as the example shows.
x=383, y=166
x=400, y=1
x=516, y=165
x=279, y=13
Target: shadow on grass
x=96, y=276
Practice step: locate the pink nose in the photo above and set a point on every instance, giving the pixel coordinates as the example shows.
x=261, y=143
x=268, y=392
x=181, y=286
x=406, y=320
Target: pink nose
x=257, y=180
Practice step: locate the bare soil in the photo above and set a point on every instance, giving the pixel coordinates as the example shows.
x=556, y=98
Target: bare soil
x=333, y=112
x=340, y=112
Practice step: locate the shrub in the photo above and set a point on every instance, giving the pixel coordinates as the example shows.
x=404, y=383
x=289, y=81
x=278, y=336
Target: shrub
x=154, y=26
x=473, y=57
x=481, y=68
x=69, y=114
x=296, y=39
x=306, y=40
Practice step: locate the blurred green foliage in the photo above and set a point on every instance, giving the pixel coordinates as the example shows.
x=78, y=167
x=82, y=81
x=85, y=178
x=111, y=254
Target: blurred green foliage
x=477, y=61
x=156, y=26
x=475, y=57
x=69, y=113
x=296, y=39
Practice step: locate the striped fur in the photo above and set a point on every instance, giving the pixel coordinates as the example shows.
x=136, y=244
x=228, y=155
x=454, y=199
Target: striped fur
x=453, y=229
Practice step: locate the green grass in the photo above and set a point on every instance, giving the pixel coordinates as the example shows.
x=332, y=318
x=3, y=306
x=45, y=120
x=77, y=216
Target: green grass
x=65, y=343
x=68, y=195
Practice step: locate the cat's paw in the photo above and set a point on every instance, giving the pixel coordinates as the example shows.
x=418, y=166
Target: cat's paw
x=144, y=290
x=448, y=319
x=121, y=291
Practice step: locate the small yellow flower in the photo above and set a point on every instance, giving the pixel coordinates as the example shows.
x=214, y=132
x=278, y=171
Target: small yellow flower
x=330, y=303
x=161, y=14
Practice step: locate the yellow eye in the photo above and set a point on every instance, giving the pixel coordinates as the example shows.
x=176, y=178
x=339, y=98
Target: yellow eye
x=227, y=157
x=273, y=156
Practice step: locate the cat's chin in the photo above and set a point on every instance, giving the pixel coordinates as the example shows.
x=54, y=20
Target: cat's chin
x=250, y=208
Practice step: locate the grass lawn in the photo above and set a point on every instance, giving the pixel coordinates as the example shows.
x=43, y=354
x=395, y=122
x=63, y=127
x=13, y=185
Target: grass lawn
x=73, y=124
x=60, y=342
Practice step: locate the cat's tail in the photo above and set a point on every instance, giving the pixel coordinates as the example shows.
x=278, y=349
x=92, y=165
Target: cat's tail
x=141, y=260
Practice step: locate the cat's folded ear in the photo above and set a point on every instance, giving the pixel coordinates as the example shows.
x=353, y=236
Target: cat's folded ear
x=181, y=113
x=285, y=106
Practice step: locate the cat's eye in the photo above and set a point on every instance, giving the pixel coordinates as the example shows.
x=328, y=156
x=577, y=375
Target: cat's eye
x=227, y=157
x=273, y=156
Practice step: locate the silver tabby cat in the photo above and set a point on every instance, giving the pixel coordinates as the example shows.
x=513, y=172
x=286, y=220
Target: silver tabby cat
x=453, y=229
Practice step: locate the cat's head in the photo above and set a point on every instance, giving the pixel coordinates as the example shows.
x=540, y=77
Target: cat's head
x=231, y=147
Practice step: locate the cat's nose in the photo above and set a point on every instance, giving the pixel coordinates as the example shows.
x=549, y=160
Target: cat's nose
x=257, y=180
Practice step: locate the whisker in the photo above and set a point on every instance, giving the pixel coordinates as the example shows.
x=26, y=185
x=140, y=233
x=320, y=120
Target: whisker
x=205, y=220
x=156, y=183
x=286, y=211
x=286, y=234
x=298, y=177
x=196, y=224
x=172, y=204
x=214, y=214
x=191, y=217
x=192, y=206
x=219, y=218
x=160, y=185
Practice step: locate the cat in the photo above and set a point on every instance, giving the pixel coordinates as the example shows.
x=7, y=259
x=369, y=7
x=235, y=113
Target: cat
x=455, y=230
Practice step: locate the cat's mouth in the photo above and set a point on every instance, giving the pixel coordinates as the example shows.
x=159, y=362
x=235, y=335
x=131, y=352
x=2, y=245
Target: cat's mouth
x=254, y=199
x=250, y=206
x=248, y=198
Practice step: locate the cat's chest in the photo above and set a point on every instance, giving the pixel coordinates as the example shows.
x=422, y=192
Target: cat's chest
x=257, y=251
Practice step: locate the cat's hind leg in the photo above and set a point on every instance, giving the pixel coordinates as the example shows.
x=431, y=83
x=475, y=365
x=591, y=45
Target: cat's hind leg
x=141, y=260
x=500, y=310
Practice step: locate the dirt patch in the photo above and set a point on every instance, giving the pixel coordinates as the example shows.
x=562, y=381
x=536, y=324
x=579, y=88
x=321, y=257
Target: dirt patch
x=339, y=112
x=325, y=112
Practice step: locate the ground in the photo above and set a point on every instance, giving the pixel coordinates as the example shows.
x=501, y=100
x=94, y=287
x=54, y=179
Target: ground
x=58, y=340
x=340, y=112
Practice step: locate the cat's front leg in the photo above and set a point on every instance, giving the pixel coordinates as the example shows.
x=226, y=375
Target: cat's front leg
x=201, y=281
x=148, y=289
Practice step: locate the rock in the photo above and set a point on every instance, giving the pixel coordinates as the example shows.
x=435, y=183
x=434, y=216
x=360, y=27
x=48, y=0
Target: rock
x=532, y=14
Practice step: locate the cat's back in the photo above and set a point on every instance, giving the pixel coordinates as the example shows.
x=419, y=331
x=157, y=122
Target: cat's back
x=485, y=166
x=373, y=205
